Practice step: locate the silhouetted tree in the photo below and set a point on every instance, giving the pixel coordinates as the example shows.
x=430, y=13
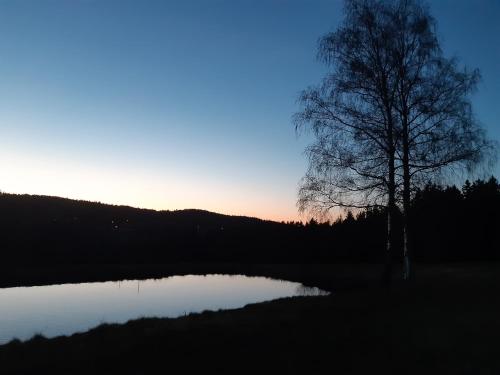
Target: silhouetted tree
x=435, y=126
x=457, y=225
x=351, y=114
x=393, y=115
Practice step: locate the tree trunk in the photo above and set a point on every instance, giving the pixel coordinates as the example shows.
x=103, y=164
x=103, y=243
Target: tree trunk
x=391, y=205
x=390, y=240
x=408, y=267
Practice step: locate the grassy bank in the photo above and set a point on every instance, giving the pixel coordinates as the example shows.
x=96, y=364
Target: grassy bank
x=446, y=323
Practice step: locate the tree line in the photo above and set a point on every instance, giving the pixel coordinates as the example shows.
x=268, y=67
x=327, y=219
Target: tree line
x=453, y=225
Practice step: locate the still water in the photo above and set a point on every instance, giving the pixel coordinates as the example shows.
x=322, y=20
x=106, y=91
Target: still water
x=56, y=310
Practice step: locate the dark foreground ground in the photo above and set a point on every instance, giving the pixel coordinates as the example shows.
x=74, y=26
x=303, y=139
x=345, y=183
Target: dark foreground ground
x=445, y=323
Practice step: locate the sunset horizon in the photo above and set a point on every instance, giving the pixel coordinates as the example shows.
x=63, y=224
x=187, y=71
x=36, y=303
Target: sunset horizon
x=159, y=107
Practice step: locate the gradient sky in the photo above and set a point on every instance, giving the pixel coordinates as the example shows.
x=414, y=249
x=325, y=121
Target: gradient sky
x=183, y=104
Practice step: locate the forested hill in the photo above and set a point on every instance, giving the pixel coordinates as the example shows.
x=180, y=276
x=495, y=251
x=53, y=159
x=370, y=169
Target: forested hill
x=450, y=224
x=47, y=229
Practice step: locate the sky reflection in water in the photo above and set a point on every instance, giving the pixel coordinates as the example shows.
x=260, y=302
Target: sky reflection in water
x=68, y=308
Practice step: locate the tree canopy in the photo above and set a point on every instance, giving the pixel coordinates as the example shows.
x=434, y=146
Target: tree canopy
x=392, y=114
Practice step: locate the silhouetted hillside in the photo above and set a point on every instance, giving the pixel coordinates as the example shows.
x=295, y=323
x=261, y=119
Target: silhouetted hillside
x=39, y=229
x=451, y=224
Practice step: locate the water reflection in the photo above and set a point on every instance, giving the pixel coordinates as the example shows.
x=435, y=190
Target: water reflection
x=64, y=309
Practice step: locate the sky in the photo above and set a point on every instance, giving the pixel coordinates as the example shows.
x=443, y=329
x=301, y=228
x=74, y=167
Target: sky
x=183, y=104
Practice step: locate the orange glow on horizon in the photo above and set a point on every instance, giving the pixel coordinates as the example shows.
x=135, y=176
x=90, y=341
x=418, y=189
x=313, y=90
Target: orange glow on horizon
x=138, y=188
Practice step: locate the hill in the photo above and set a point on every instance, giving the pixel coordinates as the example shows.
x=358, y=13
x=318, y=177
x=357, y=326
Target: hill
x=40, y=229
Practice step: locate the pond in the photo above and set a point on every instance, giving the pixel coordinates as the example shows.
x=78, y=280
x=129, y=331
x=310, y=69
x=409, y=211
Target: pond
x=64, y=309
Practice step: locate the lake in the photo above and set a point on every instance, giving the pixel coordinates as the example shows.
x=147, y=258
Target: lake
x=55, y=310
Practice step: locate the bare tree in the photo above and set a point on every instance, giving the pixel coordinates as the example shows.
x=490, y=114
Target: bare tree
x=351, y=114
x=435, y=127
x=393, y=114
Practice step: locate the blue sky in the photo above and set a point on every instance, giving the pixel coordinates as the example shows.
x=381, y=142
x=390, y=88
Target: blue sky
x=183, y=104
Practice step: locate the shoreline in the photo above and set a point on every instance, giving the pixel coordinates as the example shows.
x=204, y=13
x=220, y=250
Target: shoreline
x=324, y=276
